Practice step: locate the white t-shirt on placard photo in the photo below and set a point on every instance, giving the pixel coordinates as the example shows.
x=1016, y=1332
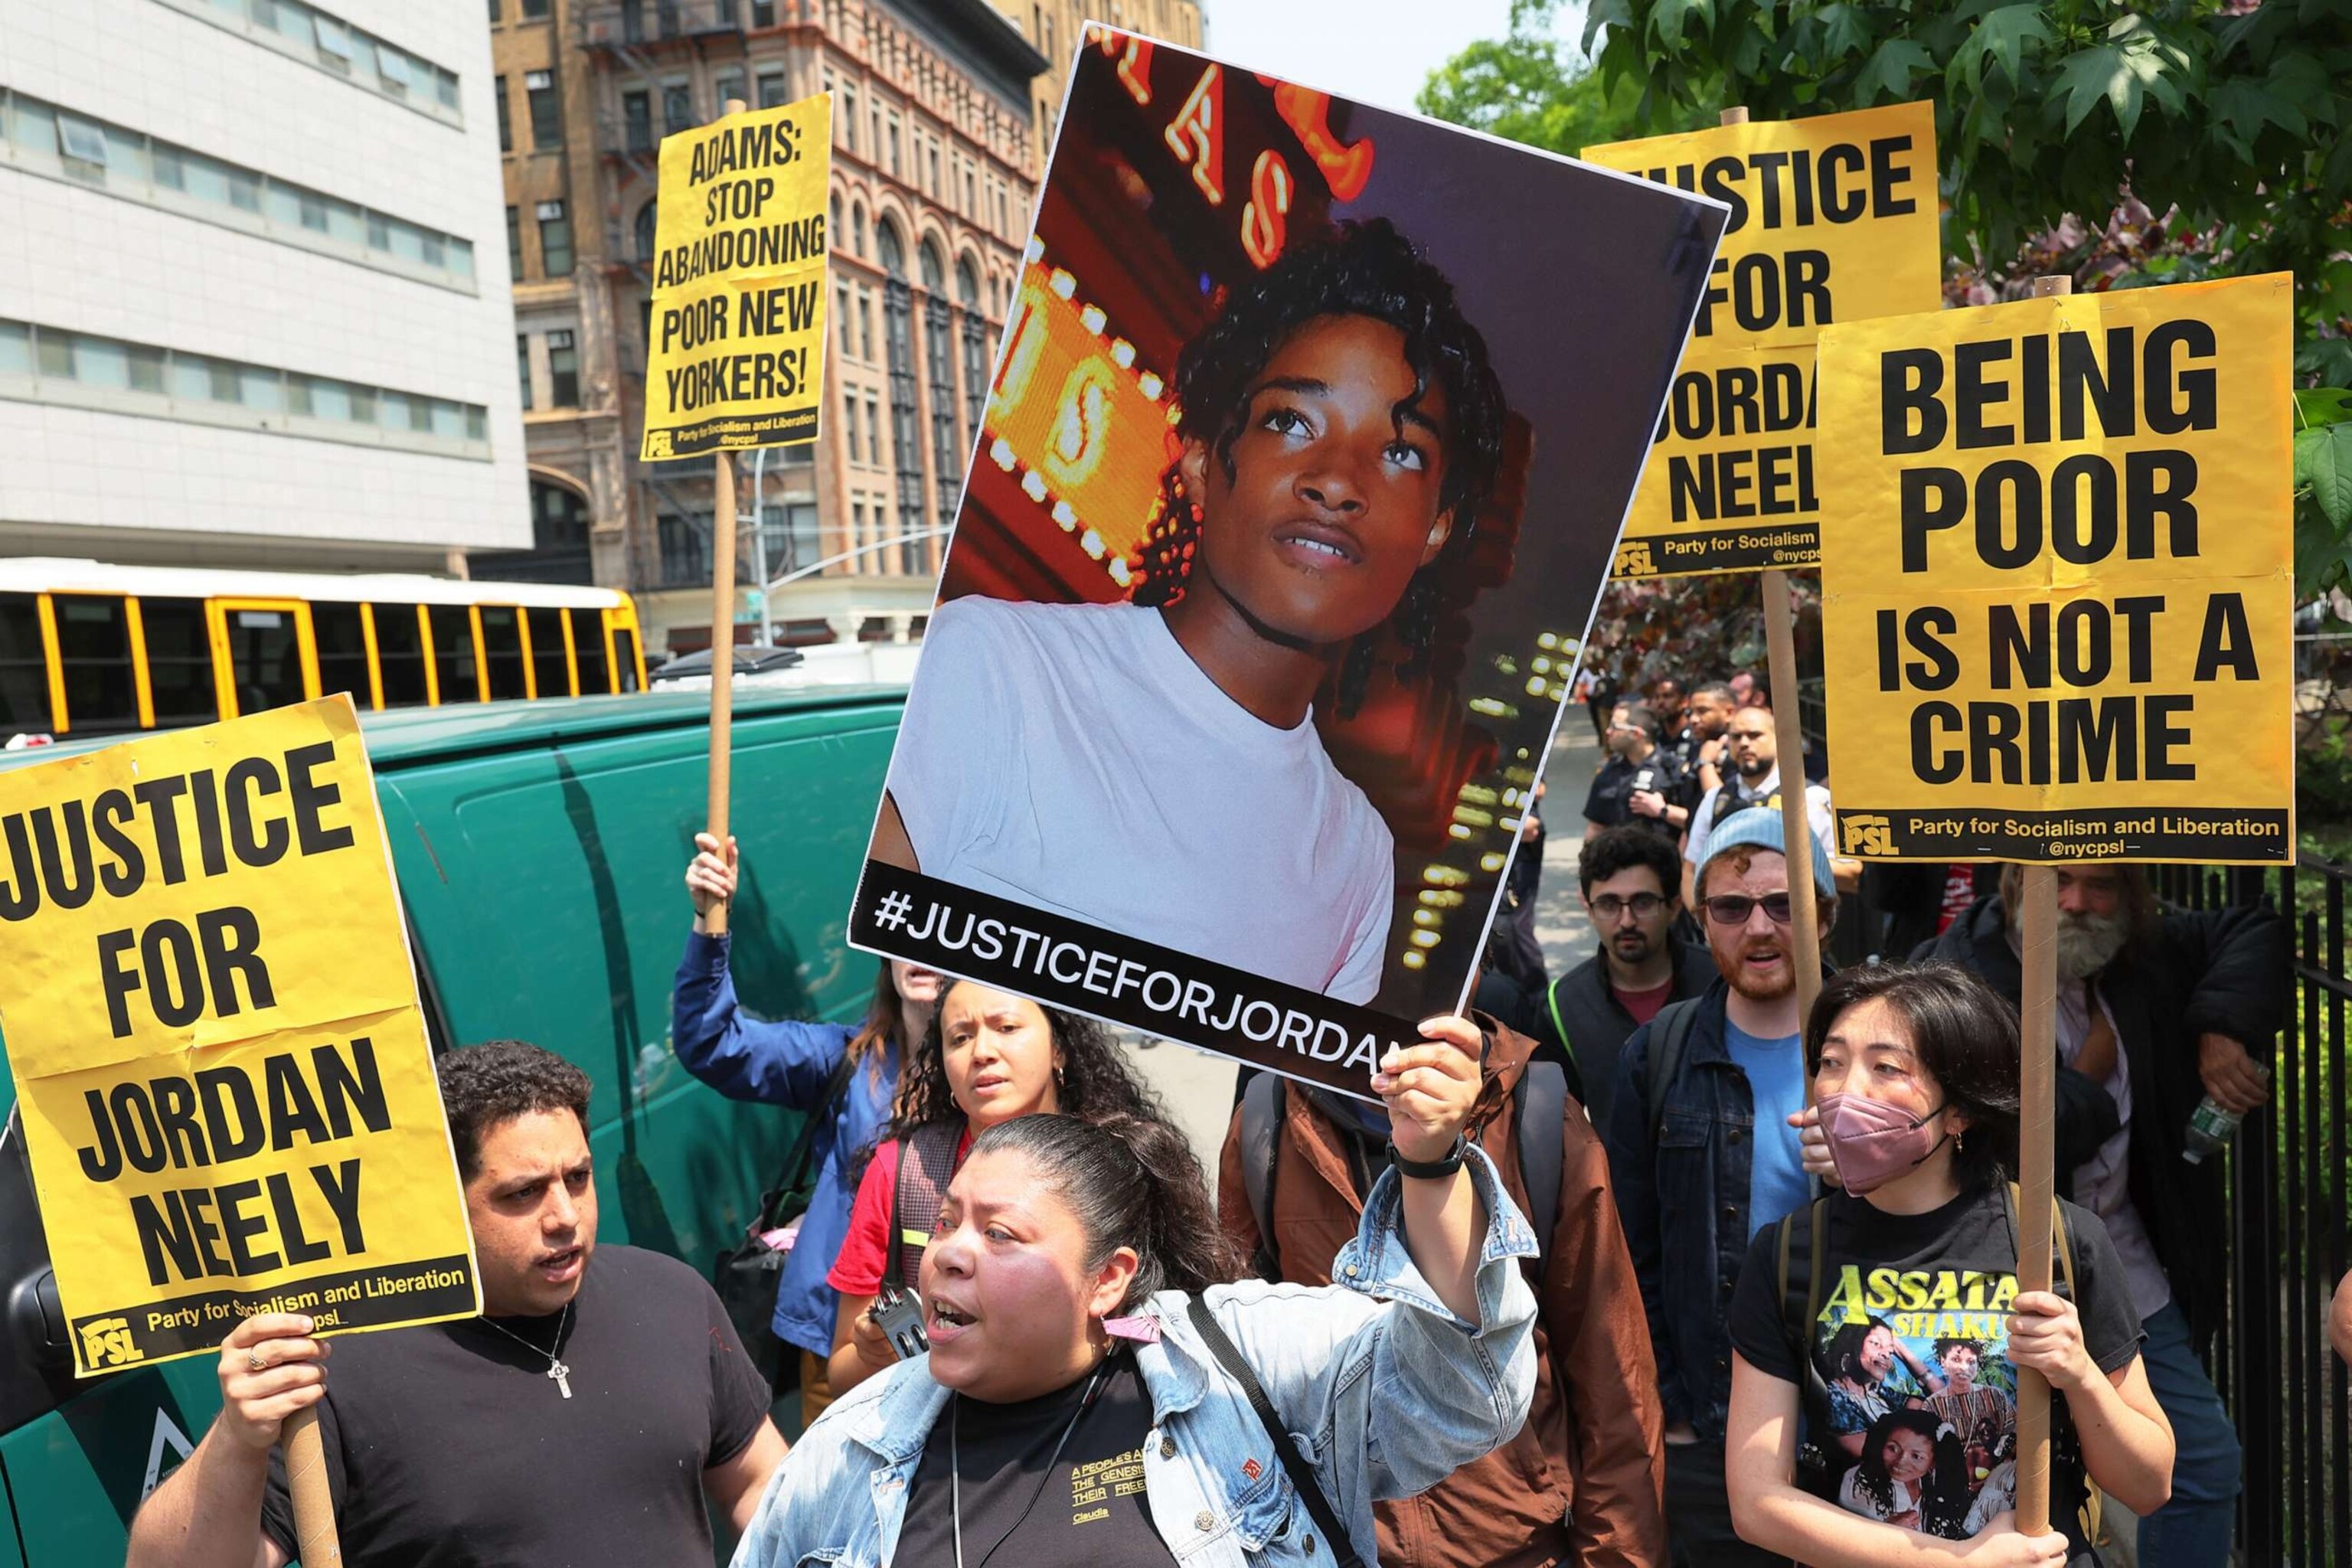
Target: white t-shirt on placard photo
x=1074, y=759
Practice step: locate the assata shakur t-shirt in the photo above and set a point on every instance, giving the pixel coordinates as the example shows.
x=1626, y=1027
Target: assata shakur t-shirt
x=1914, y=1418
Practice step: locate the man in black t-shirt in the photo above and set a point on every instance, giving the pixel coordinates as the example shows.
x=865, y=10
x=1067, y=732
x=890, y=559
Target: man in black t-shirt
x=584, y=1418
x=1639, y=783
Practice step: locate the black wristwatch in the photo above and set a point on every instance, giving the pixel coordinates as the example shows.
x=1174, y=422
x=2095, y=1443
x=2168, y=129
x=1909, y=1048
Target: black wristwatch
x=1431, y=1170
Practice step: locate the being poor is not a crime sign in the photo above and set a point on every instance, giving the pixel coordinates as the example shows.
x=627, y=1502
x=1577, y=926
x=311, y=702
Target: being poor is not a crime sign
x=735, y=340
x=228, y=1093
x=2057, y=577
x=1833, y=219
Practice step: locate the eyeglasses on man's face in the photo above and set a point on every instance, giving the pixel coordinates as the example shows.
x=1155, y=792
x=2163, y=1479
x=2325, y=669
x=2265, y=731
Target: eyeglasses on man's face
x=1733, y=908
x=1641, y=906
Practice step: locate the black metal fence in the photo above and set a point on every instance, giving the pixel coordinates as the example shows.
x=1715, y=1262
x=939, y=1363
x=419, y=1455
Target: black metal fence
x=2287, y=1189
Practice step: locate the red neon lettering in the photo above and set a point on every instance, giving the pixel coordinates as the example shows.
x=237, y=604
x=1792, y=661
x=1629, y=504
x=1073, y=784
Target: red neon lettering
x=1263, y=227
x=1134, y=65
x=1196, y=133
x=1345, y=167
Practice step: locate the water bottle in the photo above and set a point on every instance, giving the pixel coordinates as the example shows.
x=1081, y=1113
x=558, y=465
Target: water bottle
x=2211, y=1128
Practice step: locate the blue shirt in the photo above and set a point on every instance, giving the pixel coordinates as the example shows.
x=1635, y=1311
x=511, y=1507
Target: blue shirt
x=1777, y=1184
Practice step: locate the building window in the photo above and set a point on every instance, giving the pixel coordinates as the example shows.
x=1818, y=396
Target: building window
x=522, y=367
x=505, y=115
x=899, y=343
x=857, y=232
x=546, y=111
x=677, y=108
x=873, y=431
x=638, y=121
x=534, y=10
x=554, y=240
x=848, y=423
x=764, y=15
x=302, y=32
x=562, y=371
x=849, y=117
x=866, y=326
x=773, y=90
x=729, y=86
x=894, y=147
x=841, y=316
x=685, y=541
x=938, y=362
x=787, y=537
x=514, y=243
x=975, y=350
x=495, y=17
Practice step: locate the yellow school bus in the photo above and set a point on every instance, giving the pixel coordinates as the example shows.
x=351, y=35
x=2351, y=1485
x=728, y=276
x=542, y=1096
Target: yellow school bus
x=87, y=649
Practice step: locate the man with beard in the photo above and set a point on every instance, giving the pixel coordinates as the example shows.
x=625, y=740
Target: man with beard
x=1639, y=783
x=1702, y=1154
x=1633, y=885
x=2157, y=1008
x=1704, y=747
x=1754, y=780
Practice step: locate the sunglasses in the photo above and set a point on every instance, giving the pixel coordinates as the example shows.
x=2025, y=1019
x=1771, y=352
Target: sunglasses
x=1609, y=906
x=1733, y=908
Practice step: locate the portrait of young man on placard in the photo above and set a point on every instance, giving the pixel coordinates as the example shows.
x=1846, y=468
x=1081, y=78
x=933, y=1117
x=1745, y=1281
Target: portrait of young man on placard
x=1303, y=462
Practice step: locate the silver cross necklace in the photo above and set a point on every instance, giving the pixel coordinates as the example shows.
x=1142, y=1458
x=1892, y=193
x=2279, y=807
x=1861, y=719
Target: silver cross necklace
x=556, y=1370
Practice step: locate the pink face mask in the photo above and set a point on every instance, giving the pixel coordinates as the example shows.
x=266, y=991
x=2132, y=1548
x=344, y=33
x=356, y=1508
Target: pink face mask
x=1872, y=1143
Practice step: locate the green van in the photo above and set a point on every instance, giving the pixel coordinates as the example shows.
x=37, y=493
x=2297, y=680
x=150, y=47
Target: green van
x=539, y=848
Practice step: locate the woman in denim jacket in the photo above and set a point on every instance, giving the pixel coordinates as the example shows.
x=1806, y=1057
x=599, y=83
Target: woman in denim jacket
x=1071, y=1413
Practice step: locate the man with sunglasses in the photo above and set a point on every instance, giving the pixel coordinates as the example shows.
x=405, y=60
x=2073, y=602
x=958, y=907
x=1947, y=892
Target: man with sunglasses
x=1632, y=893
x=1701, y=1155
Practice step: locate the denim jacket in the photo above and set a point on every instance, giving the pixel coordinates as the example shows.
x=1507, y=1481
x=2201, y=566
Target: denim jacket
x=1384, y=1390
x=1683, y=1199
x=785, y=1064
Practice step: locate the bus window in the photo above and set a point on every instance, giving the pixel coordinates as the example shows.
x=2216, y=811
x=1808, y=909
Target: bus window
x=502, y=651
x=94, y=650
x=24, y=668
x=265, y=657
x=548, y=666
x=625, y=657
x=400, y=655
x=342, y=651
x=453, y=652
x=179, y=661
x=588, y=642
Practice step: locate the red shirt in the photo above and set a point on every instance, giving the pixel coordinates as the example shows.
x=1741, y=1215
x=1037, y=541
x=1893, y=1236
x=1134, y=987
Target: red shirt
x=1644, y=1005
x=858, y=1270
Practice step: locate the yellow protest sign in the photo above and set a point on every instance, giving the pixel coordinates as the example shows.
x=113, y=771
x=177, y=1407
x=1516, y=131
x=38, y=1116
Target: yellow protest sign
x=228, y=1093
x=1832, y=219
x=2058, y=578
x=735, y=345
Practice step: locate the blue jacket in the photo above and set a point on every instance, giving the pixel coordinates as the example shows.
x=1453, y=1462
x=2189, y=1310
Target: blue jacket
x=785, y=1064
x=1444, y=1391
x=1683, y=1199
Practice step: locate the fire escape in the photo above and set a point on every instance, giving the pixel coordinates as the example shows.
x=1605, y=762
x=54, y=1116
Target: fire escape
x=640, y=49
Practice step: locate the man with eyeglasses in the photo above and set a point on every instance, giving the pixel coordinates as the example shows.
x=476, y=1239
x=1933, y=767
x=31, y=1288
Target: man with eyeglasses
x=1701, y=1155
x=1633, y=887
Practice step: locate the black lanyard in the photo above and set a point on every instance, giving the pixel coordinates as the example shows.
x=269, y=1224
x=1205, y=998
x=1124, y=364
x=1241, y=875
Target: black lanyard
x=955, y=1467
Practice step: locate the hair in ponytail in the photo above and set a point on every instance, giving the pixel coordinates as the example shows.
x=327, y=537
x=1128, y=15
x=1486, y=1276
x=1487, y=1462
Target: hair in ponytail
x=1133, y=1181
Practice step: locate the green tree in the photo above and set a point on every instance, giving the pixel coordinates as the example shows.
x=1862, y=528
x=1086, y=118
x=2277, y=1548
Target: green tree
x=1525, y=86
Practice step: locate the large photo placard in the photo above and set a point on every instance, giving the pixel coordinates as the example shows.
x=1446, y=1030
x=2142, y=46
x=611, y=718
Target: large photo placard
x=1307, y=448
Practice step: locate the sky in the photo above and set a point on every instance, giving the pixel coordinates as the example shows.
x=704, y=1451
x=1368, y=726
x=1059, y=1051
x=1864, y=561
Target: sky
x=1377, y=51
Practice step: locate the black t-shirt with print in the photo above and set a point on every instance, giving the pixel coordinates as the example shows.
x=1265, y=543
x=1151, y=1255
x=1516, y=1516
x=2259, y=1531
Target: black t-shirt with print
x=1089, y=1513
x=1610, y=802
x=1913, y=1417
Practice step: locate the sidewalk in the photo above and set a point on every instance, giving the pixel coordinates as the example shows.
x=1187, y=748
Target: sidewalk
x=1561, y=928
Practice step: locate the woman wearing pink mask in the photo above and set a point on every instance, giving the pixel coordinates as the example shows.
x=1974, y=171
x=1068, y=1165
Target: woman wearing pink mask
x=1914, y=1131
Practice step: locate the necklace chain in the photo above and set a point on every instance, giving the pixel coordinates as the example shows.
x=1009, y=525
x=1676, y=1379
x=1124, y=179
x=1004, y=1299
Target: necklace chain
x=557, y=1372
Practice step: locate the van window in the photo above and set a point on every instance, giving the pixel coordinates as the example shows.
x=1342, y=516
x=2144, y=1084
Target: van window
x=548, y=665
x=453, y=652
x=625, y=657
x=179, y=661
x=94, y=649
x=342, y=652
x=588, y=643
x=400, y=655
x=24, y=668
x=502, y=650
x=264, y=659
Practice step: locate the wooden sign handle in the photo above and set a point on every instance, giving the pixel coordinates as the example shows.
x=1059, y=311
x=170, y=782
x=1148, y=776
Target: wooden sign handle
x=306, y=1481
x=722, y=648
x=1796, y=822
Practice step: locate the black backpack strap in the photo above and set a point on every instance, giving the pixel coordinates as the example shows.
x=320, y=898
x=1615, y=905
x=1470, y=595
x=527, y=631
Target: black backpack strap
x=1294, y=1464
x=1669, y=1033
x=1542, y=1097
x=797, y=1163
x=1264, y=1105
x=1798, y=1332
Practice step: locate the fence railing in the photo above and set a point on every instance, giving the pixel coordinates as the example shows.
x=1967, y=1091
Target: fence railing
x=2285, y=1386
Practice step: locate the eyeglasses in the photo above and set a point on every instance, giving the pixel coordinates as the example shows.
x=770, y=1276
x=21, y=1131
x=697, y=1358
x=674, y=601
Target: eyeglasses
x=1609, y=906
x=1733, y=908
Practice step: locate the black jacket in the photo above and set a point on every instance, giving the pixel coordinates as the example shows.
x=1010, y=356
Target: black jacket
x=2221, y=972
x=1581, y=1025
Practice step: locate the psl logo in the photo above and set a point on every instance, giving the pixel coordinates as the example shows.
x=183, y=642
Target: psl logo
x=656, y=446
x=1634, y=559
x=107, y=1341
x=1867, y=835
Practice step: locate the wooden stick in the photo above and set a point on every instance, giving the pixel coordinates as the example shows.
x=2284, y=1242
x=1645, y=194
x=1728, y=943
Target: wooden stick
x=722, y=648
x=1796, y=822
x=306, y=1480
x=1736, y=115
x=2037, y=1084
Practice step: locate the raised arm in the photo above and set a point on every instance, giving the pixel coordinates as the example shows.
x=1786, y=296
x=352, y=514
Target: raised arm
x=741, y=1057
x=207, y=1514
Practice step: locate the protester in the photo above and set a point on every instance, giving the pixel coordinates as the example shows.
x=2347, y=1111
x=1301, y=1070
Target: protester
x=2160, y=1008
x=1068, y=1289
x=1341, y=426
x=586, y=1416
x=1631, y=881
x=845, y=1077
x=1915, y=1123
x=1667, y=701
x=1754, y=782
x=990, y=1056
x=1701, y=1155
x=1704, y=746
x=1580, y=1483
x=1639, y=783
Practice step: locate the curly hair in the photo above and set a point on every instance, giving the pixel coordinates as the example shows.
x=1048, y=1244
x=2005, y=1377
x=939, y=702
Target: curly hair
x=498, y=1080
x=1363, y=269
x=1844, y=1353
x=1096, y=1084
x=1943, y=1491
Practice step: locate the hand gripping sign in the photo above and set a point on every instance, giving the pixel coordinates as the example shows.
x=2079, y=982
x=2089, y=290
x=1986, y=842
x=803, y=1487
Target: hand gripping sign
x=1833, y=219
x=228, y=1098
